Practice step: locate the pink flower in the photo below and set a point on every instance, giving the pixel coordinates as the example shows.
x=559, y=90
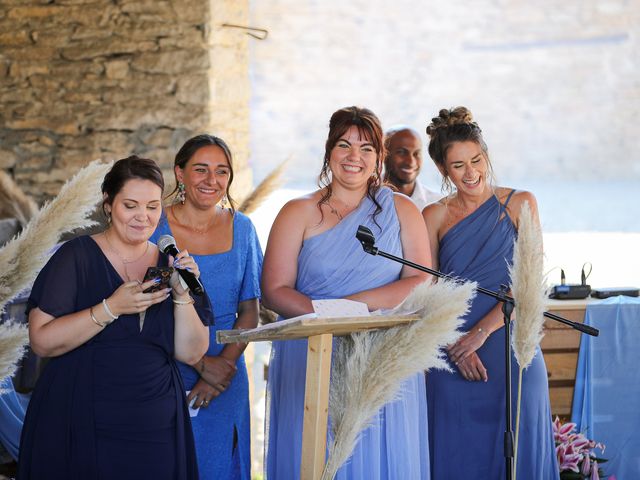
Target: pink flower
x=594, y=471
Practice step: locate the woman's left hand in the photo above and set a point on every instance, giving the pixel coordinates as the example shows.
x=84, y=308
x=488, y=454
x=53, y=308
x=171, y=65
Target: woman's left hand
x=182, y=261
x=466, y=345
x=202, y=394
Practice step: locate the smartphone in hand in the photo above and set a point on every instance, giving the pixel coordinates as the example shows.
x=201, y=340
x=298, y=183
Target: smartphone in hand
x=163, y=273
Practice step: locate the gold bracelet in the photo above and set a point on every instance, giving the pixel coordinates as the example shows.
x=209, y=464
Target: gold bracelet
x=95, y=320
x=483, y=331
x=191, y=301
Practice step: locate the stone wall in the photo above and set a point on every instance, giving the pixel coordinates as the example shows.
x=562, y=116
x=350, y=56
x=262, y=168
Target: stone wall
x=87, y=79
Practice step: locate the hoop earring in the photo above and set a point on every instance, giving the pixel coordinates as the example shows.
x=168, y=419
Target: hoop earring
x=181, y=195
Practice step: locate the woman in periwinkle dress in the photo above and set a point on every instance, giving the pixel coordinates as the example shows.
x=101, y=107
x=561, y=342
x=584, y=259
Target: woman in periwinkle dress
x=471, y=232
x=312, y=253
x=225, y=245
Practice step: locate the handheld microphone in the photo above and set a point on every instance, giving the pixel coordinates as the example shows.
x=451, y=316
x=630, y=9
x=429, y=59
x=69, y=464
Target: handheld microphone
x=167, y=244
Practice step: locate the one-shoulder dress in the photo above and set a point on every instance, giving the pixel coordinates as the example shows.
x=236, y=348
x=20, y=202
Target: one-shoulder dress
x=113, y=407
x=467, y=419
x=334, y=265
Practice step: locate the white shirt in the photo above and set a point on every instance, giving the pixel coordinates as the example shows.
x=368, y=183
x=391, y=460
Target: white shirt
x=422, y=196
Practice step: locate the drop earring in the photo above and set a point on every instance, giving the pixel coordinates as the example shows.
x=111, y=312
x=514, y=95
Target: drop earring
x=181, y=195
x=224, y=201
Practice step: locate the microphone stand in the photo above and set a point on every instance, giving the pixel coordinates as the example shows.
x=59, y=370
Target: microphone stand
x=368, y=240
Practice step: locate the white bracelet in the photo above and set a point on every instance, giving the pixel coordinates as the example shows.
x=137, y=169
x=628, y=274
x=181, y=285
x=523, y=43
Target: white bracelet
x=108, y=310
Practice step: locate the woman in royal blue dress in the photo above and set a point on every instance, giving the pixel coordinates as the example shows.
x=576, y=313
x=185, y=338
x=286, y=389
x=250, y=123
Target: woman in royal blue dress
x=110, y=402
x=225, y=245
x=313, y=254
x=471, y=233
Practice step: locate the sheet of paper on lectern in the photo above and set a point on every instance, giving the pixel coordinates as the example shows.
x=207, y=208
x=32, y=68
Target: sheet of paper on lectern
x=340, y=307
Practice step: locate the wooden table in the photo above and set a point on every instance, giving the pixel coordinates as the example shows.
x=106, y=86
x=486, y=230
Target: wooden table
x=320, y=332
x=560, y=347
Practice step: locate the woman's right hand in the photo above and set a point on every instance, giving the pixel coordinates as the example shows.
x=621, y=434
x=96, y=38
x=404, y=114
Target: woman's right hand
x=129, y=297
x=217, y=371
x=472, y=369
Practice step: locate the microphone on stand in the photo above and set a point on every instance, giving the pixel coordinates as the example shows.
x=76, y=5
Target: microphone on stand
x=167, y=244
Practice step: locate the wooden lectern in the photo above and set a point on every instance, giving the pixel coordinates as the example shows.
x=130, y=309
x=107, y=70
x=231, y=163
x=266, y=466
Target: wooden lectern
x=320, y=333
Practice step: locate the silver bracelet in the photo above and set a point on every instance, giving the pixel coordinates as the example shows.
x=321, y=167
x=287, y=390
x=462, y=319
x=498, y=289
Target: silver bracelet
x=95, y=320
x=108, y=310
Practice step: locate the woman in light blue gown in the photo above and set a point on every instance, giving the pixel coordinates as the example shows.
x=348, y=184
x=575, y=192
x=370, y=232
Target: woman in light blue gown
x=313, y=254
x=472, y=231
x=226, y=247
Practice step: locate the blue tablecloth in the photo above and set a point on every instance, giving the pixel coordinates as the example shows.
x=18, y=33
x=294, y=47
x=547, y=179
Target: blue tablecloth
x=606, y=401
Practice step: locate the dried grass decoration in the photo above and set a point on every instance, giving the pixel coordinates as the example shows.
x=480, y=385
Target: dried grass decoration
x=369, y=367
x=22, y=258
x=528, y=288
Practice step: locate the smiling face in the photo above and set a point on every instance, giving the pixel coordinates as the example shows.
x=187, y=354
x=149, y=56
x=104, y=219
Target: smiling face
x=353, y=159
x=205, y=177
x=467, y=167
x=135, y=211
x=404, y=158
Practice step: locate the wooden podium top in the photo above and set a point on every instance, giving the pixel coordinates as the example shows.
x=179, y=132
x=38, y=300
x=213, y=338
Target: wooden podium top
x=307, y=326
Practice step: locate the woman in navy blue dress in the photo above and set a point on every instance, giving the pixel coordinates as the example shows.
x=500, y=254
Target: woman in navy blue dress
x=110, y=403
x=471, y=232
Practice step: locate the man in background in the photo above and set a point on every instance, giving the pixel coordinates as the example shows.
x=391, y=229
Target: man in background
x=403, y=162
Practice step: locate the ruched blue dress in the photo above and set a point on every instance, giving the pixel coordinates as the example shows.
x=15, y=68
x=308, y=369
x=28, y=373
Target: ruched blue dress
x=333, y=265
x=467, y=419
x=222, y=430
x=113, y=407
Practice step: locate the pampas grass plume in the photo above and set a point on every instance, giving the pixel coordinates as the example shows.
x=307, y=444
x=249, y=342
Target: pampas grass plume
x=369, y=367
x=22, y=258
x=271, y=183
x=13, y=339
x=528, y=288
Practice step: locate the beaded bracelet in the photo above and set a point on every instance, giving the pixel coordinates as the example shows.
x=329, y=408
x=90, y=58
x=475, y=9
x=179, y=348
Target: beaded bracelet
x=95, y=320
x=108, y=310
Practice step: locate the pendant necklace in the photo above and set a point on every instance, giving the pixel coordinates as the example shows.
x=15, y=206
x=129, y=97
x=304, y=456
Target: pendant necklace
x=125, y=261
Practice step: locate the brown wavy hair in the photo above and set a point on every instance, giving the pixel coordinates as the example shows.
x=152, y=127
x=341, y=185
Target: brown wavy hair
x=451, y=126
x=369, y=127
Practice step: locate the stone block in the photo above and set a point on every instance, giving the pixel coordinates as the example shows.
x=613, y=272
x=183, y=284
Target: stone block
x=172, y=62
x=105, y=48
x=193, y=89
x=56, y=125
x=26, y=69
x=35, y=53
x=13, y=38
x=117, y=69
x=8, y=159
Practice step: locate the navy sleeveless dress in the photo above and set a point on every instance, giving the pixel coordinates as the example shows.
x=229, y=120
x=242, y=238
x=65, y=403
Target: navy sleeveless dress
x=113, y=407
x=467, y=419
